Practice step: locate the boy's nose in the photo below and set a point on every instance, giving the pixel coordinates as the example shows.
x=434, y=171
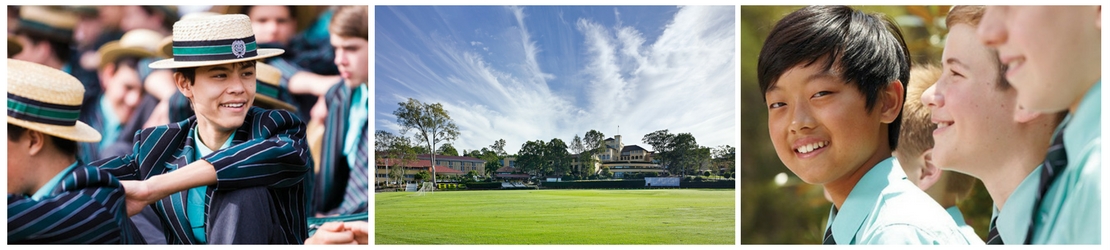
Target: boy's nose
x=802, y=119
x=991, y=29
x=930, y=97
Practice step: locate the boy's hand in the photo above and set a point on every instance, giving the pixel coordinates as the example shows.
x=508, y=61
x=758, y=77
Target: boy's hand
x=137, y=195
x=360, y=230
x=332, y=233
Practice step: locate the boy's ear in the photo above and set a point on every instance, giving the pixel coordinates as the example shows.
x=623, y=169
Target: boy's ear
x=930, y=173
x=892, y=99
x=1022, y=115
x=183, y=84
x=106, y=72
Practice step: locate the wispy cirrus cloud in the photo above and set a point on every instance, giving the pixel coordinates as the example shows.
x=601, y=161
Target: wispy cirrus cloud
x=523, y=73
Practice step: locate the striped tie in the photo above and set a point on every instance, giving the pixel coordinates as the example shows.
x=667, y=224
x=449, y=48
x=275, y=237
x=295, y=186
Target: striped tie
x=1054, y=162
x=829, y=237
x=355, y=200
x=992, y=236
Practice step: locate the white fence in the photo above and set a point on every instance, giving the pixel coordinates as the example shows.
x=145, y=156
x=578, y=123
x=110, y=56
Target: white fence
x=661, y=181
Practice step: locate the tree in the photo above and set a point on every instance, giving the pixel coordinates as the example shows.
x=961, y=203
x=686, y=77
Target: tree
x=498, y=147
x=661, y=141
x=422, y=175
x=448, y=150
x=432, y=124
x=531, y=159
x=383, y=145
x=395, y=152
x=556, y=154
x=724, y=158
x=593, y=144
x=577, y=149
x=473, y=174
x=680, y=153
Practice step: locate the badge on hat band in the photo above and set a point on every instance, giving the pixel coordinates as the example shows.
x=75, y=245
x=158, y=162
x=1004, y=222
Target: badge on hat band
x=41, y=112
x=187, y=51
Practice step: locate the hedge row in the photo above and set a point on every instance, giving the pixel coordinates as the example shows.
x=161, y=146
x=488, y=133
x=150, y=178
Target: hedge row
x=634, y=184
x=483, y=185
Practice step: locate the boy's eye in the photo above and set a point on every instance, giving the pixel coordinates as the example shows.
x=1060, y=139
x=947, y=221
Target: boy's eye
x=219, y=76
x=821, y=93
x=248, y=73
x=776, y=105
x=954, y=73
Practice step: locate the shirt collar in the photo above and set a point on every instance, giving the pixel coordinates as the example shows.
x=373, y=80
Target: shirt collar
x=48, y=189
x=1013, y=219
x=109, y=119
x=957, y=216
x=203, y=150
x=1084, y=123
x=861, y=201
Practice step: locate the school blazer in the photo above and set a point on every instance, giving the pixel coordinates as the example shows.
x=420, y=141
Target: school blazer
x=86, y=207
x=268, y=150
x=332, y=180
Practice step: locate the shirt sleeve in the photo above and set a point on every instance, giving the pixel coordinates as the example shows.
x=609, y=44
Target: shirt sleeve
x=277, y=156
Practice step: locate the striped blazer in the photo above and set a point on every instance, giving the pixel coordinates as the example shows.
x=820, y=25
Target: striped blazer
x=335, y=176
x=87, y=207
x=268, y=150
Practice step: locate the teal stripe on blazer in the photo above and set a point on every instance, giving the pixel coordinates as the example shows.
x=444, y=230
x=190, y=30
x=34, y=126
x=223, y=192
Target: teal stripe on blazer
x=87, y=207
x=268, y=150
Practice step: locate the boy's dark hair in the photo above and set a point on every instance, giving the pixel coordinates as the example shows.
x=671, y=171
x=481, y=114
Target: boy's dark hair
x=866, y=49
x=66, y=146
x=61, y=48
x=169, y=16
x=191, y=73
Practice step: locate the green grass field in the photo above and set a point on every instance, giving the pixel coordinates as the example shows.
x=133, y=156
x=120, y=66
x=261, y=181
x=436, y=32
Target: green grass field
x=648, y=216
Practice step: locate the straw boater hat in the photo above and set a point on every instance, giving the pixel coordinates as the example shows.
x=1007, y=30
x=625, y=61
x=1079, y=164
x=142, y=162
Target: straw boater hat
x=139, y=43
x=47, y=100
x=268, y=88
x=166, y=45
x=52, y=22
x=213, y=40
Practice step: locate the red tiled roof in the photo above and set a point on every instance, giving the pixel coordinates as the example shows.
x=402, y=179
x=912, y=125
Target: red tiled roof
x=449, y=158
x=508, y=169
x=447, y=170
x=411, y=164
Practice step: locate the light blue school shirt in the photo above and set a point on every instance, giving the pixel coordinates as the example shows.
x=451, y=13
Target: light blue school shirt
x=958, y=217
x=356, y=121
x=1071, y=210
x=885, y=208
x=111, y=125
x=197, y=196
x=47, y=189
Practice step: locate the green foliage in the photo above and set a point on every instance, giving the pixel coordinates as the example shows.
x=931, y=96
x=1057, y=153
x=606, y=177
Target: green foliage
x=432, y=123
x=557, y=217
x=448, y=150
x=422, y=175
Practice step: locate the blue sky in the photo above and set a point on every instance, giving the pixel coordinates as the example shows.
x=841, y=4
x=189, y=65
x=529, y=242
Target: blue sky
x=537, y=73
